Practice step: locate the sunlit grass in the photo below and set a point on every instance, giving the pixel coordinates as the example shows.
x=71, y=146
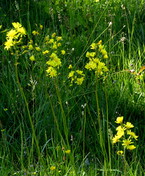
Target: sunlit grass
x=69, y=69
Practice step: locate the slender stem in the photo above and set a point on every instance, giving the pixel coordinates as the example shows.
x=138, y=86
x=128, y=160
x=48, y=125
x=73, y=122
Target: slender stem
x=27, y=108
x=98, y=110
x=62, y=112
x=55, y=119
x=108, y=137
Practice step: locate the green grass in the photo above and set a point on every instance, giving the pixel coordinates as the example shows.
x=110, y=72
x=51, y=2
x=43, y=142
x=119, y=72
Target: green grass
x=41, y=118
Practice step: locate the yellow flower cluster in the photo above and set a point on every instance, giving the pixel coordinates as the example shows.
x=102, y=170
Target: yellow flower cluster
x=49, y=51
x=54, y=42
x=124, y=135
x=14, y=36
x=53, y=64
x=76, y=76
x=94, y=62
x=100, y=48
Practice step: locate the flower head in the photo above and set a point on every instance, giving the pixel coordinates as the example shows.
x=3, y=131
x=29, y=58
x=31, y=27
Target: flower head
x=120, y=152
x=52, y=168
x=132, y=134
x=129, y=125
x=127, y=142
x=115, y=139
x=68, y=151
x=131, y=147
x=8, y=44
x=32, y=58
x=119, y=119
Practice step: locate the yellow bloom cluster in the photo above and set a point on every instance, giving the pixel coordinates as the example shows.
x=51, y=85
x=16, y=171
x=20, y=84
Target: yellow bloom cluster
x=53, y=64
x=96, y=65
x=94, y=62
x=53, y=42
x=100, y=48
x=76, y=77
x=124, y=135
x=14, y=36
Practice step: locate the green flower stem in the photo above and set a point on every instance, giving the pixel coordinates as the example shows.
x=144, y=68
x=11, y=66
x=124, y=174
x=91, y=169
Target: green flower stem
x=98, y=110
x=55, y=119
x=108, y=137
x=65, y=126
x=27, y=108
x=101, y=140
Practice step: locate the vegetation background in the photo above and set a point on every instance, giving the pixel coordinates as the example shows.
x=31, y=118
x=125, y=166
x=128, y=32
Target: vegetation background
x=51, y=128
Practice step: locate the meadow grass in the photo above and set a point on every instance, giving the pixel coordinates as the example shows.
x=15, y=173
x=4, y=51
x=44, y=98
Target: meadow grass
x=65, y=78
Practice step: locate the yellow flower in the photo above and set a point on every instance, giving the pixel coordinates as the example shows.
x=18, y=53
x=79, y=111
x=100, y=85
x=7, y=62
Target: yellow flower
x=91, y=65
x=35, y=32
x=34, y=173
x=2, y=130
x=51, y=41
x=105, y=56
x=103, y=51
x=53, y=55
x=129, y=125
x=16, y=25
x=53, y=35
x=68, y=151
x=80, y=72
x=132, y=134
x=46, y=38
x=75, y=77
x=59, y=44
x=101, y=47
x=30, y=47
x=119, y=128
x=41, y=26
x=119, y=119
x=93, y=46
x=63, y=52
x=131, y=147
x=22, y=30
x=11, y=34
x=92, y=54
x=8, y=44
x=79, y=81
x=88, y=54
x=32, y=58
x=51, y=72
x=71, y=74
x=58, y=38
x=96, y=60
x=127, y=142
x=54, y=45
x=45, y=52
x=52, y=168
x=70, y=66
x=56, y=62
x=30, y=42
x=120, y=133
x=100, y=42
x=115, y=139
x=120, y=152
x=37, y=48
